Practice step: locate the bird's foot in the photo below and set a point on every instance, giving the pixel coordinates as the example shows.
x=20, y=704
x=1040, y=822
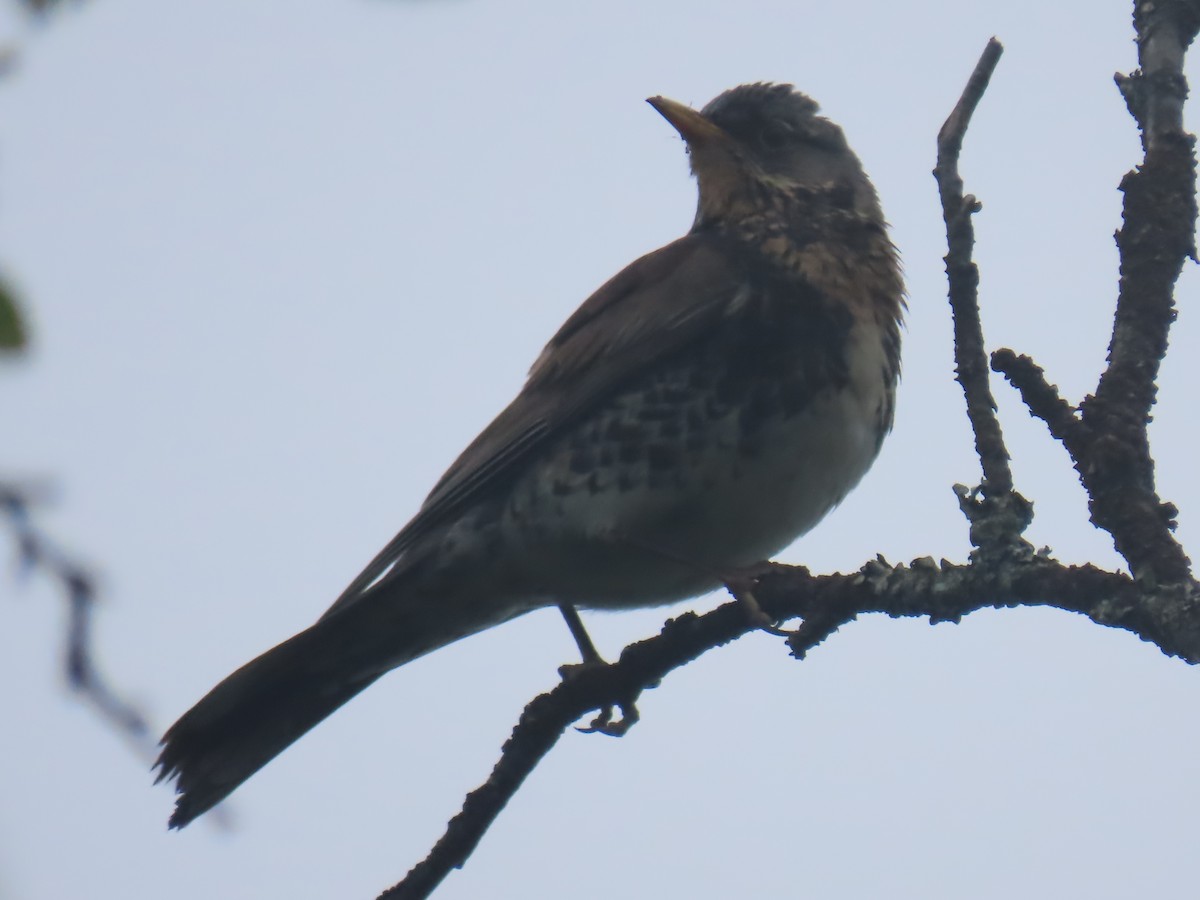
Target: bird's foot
x=605, y=724
x=741, y=584
x=606, y=721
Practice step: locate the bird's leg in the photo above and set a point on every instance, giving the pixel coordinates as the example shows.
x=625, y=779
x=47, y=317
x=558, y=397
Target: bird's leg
x=604, y=723
x=739, y=582
x=583, y=640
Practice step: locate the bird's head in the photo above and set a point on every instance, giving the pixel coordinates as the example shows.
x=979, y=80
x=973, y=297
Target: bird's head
x=764, y=136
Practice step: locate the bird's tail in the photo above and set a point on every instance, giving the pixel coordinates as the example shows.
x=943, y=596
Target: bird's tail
x=258, y=711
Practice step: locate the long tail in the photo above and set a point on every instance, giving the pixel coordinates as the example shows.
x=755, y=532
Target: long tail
x=258, y=711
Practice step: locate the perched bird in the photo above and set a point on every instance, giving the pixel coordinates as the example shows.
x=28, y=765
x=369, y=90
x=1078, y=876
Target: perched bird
x=705, y=407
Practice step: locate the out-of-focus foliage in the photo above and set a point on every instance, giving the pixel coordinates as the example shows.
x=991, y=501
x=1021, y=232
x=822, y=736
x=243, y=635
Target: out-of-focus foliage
x=39, y=6
x=12, y=327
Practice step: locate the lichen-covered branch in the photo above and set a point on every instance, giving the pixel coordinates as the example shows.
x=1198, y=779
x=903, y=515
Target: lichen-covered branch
x=998, y=515
x=970, y=360
x=1156, y=237
x=1106, y=436
x=941, y=592
x=1042, y=398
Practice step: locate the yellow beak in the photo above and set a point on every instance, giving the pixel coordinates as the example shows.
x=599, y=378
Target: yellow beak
x=692, y=127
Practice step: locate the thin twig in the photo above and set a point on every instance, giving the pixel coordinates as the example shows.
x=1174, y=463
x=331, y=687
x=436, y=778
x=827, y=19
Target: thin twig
x=1042, y=398
x=998, y=515
x=971, y=367
x=36, y=552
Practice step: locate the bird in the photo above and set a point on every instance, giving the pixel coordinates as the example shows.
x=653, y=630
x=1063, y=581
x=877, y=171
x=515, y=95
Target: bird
x=701, y=410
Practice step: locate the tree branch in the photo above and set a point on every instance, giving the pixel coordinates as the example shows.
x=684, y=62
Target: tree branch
x=35, y=551
x=940, y=592
x=970, y=362
x=1156, y=237
x=1042, y=398
x=1108, y=440
x=998, y=515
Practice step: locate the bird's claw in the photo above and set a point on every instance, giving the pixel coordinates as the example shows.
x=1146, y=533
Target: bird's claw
x=741, y=584
x=604, y=723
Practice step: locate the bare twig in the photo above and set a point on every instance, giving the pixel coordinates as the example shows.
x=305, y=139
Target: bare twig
x=1042, y=398
x=36, y=552
x=963, y=274
x=998, y=515
x=1107, y=439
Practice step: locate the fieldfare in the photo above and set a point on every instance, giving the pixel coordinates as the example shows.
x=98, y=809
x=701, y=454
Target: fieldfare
x=705, y=407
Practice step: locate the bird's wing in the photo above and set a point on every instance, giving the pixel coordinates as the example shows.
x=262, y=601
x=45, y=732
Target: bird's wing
x=656, y=305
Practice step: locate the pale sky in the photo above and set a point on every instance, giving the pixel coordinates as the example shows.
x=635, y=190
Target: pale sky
x=284, y=260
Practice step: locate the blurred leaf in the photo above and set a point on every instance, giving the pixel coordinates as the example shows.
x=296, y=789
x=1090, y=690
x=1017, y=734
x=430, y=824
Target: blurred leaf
x=12, y=327
x=38, y=7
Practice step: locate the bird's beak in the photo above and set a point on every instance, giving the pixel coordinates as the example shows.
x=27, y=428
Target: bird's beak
x=715, y=159
x=692, y=127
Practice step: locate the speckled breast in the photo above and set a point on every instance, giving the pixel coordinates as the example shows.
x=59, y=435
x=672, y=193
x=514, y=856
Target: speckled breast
x=718, y=458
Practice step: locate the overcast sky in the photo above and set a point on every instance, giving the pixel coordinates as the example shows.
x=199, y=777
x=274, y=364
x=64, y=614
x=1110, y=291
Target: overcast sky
x=282, y=261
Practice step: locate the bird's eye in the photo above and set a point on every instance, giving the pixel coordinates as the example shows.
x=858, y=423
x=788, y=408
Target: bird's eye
x=773, y=136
